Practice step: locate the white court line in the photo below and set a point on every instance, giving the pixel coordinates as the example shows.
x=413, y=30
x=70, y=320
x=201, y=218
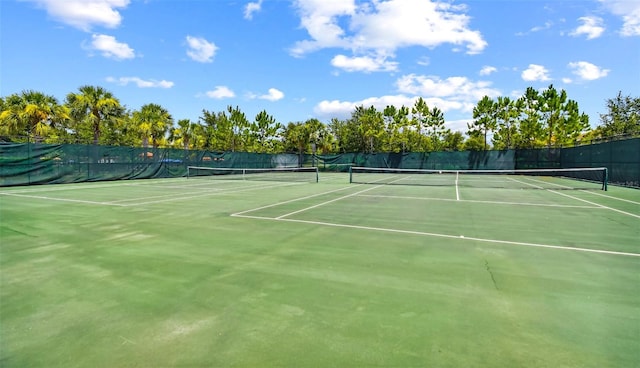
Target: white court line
x=554, y=184
x=59, y=187
x=157, y=183
x=192, y=186
x=584, y=200
x=166, y=195
x=596, y=204
x=485, y=202
x=327, y=202
x=307, y=197
x=420, y=233
x=115, y=203
x=610, y=197
x=343, y=197
x=222, y=192
x=525, y=183
x=291, y=200
x=80, y=186
x=64, y=199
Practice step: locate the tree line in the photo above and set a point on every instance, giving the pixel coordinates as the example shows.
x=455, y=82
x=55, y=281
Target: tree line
x=93, y=115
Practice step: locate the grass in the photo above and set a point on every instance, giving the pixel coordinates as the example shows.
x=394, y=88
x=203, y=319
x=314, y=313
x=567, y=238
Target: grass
x=158, y=273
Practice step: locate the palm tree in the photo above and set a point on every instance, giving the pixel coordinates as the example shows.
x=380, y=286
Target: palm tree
x=184, y=134
x=31, y=113
x=93, y=106
x=313, y=129
x=153, y=121
x=326, y=142
x=296, y=138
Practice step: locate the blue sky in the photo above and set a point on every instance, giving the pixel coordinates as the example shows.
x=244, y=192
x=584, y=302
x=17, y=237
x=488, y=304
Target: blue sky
x=306, y=59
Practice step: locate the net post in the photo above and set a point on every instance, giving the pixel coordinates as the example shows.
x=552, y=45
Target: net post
x=350, y=174
x=605, y=180
x=317, y=175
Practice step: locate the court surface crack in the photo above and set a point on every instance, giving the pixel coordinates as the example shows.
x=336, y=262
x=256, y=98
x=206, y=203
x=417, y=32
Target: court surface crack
x=493, y=279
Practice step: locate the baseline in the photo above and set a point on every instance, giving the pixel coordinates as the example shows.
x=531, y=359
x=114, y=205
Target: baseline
x=597, y=204
x=447, y=236
x=289, y=201
x=483, y=202
x=610, y=197
x=118, y=203
x=338, y=199
x=94, y=185
x=200, y=190
x=63, y=199
x=307, y=197
x=586, y=201
x=327, y=202
x=220, y=192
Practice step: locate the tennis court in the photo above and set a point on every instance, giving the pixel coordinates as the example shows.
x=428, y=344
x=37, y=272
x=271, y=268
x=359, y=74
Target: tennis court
x=374, y=269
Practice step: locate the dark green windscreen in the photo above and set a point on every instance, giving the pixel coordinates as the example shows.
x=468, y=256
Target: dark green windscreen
x=33, y=163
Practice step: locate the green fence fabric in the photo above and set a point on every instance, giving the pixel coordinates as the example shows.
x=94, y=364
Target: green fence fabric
x=463, y=160
x=545, y=158
x=34, y=163
x=621, y=157
x=31, y=163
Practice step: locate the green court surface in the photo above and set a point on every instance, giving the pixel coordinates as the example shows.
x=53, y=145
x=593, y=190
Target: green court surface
x=217, y=273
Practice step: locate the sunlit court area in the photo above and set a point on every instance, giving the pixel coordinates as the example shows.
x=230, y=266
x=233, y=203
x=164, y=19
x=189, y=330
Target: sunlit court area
x=302, y=267
x=319, y=184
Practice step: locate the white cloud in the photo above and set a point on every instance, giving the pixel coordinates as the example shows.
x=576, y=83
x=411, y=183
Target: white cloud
x=381, y=27
x=458, y=125
x=404, y=23
x=141, y=83
x=591, y=27
x=456, y=88
x=588, y=71
x=272, y=95
x=201, y=50
x=629, y=11
x=320, y=19
x=567, y=80
x=486, y=70
x=252, y=8
x=547, y=25
x=451, y=94
x=334, y=108
x=343, y=109
x=220, y=92
x=109, y=47
x=85, y=14
x=424, y=61
x=363, y=64
x=535, y=73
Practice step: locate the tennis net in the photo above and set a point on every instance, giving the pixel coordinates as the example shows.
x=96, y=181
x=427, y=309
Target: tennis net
x=287, y=174
x=558, y=179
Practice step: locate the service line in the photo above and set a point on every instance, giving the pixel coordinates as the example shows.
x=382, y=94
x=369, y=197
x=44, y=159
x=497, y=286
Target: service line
x=421, y=233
